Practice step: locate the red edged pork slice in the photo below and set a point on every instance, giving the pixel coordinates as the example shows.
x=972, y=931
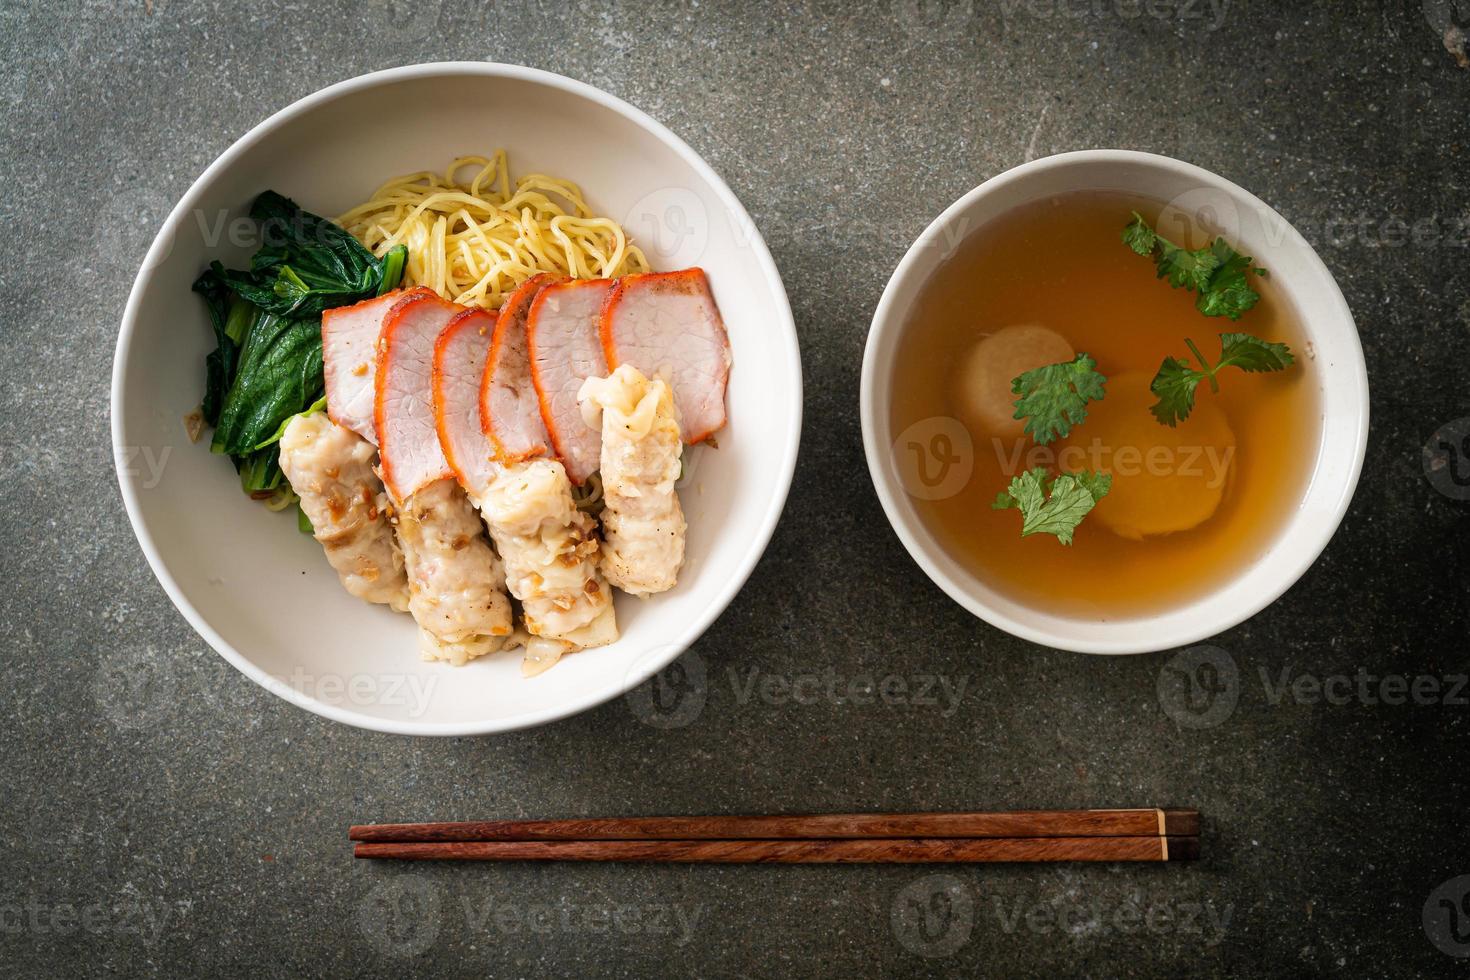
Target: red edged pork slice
x=561, y=334
x=349, y=361
x=403, y=409
x=509, y=410
x=666, y=325
x=459, y=363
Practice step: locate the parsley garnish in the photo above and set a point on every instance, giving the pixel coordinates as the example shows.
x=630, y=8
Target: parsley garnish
x=1176, y=381
x=1053, y=398
x=1053, y=505
x=1217, y=273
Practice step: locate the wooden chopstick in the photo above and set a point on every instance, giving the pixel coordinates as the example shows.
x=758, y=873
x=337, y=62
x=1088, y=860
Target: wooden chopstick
x=858, y=826
x=932, y=850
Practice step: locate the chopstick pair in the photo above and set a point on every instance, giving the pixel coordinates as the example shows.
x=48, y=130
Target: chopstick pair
x=861, y=838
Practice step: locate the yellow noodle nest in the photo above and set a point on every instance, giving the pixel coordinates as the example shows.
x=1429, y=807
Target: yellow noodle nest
x=474, y=242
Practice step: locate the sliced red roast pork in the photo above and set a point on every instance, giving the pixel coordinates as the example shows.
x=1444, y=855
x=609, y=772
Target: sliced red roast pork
x=459, y=364
x=349, y=361
x=509, y=410
x=408, y=440
x=667, y=326
x=565, y=351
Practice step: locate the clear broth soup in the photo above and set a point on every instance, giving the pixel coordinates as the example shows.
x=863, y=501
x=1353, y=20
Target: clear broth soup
x=1060, y=263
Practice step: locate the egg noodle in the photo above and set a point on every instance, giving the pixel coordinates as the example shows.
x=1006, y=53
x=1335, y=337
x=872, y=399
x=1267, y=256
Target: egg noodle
x=473, y=242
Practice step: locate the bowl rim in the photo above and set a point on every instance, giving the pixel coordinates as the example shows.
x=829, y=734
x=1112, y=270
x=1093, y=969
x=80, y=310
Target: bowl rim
x=644, y=666
x=887, y=318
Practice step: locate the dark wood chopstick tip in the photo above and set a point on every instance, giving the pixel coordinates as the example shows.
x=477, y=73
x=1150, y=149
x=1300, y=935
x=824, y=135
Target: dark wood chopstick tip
x=1181, y=823
x=1183, y=848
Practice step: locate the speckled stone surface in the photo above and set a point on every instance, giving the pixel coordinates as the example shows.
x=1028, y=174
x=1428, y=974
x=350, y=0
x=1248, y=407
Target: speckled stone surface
x=159, y=813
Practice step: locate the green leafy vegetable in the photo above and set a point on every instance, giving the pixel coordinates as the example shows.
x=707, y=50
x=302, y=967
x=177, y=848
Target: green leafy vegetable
x=1176, y=381
x=1252, y=354
x=219, y=365
x=1139, y=236
x=266, y=367
x=307, y=265
x=260, y=472
x=320, y=405
x=279, y=375
x=1054, y=397
x=1053, y=505
x=303, y=523
x=393, y=262
x=243, y=315
x=1218, y=274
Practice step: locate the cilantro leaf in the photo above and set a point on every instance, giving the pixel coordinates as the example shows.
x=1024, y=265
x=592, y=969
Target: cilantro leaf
x=1139, y=236
x=1218, y=274
x=1252, y=353
x=1097, y=484
x=1229, y=293
x=1054, y=397
x=1174, y=385
x=1054, y=505
x=1176, y=381
x=1185, y=269
x=1026, y=492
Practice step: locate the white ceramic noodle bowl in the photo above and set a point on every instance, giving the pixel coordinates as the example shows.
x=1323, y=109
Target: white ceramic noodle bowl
x=261, y=593
x=1196, y=199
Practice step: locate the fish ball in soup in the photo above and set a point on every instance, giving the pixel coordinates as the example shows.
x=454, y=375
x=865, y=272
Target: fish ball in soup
x=982, y=383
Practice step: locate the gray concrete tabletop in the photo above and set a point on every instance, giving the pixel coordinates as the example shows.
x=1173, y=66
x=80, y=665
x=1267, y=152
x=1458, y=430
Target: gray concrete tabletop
x=159, y=813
